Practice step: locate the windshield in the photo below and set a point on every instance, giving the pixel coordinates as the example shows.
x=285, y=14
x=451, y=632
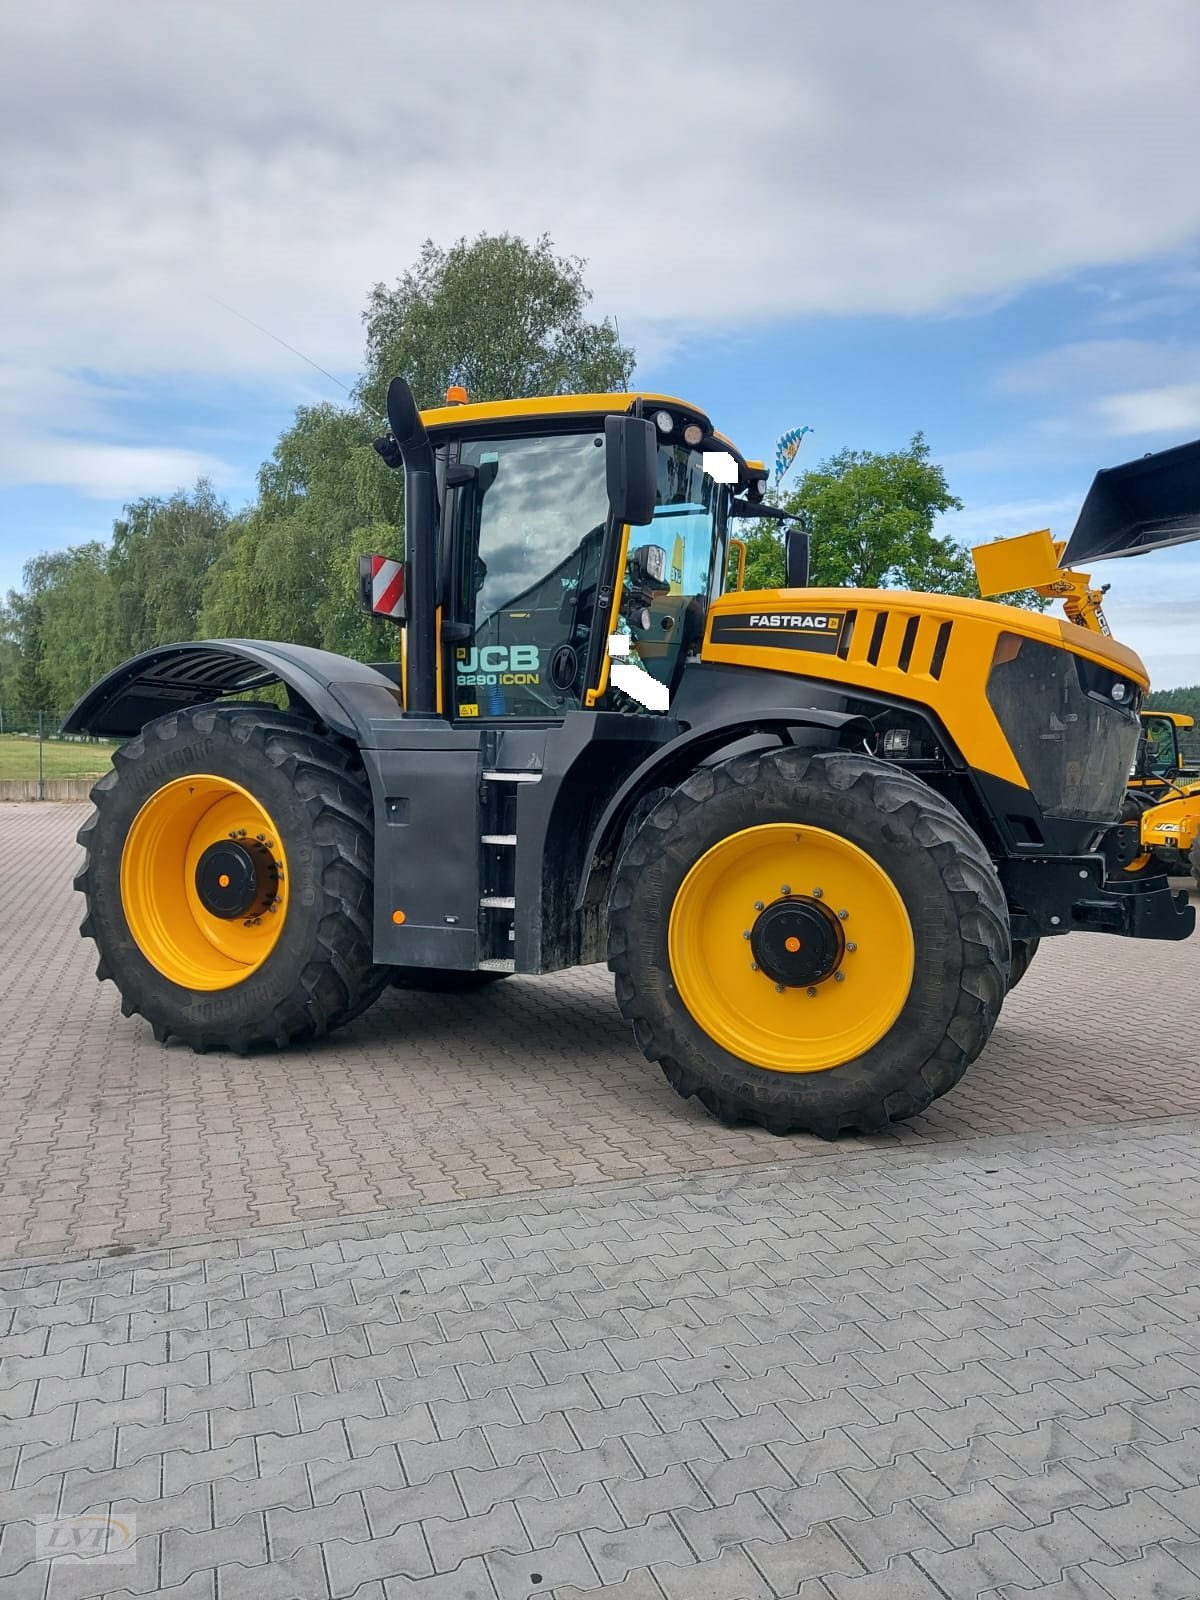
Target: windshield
x=1157, y=752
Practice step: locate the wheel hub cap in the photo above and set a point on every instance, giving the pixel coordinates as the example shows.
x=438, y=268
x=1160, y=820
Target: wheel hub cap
x=235, y=879
x=797, y=942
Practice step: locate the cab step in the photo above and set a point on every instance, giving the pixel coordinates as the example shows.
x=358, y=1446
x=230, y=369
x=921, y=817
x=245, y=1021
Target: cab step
x=498, y=902
x=498, y=838
x=512, y=777
x=503, y=965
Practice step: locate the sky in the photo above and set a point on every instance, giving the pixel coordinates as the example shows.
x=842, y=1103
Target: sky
x=875, y=217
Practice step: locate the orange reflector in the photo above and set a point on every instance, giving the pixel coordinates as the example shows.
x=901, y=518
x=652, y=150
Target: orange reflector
x=398, y=917
x=223, y=880
x=792, y=943
x=456, y=395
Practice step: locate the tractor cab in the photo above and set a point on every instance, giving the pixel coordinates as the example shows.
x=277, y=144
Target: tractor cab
x=1161, y=760
x=564, y=522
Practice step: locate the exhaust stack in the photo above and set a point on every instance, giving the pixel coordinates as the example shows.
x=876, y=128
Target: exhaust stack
x=420, y=548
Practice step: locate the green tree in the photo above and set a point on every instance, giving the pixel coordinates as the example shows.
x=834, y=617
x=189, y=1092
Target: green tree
x=290, y=566
x=1186, y=700
x=69, y=596
x=499, y=315
x=162, y=551
x=872, y=517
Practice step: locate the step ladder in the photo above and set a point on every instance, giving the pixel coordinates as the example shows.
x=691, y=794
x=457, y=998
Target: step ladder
x=497, y=878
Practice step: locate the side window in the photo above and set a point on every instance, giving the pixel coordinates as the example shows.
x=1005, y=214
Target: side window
x=689, y=526
x=532, y=528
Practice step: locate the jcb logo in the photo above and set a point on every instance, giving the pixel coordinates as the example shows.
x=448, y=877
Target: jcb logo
x=499, y=658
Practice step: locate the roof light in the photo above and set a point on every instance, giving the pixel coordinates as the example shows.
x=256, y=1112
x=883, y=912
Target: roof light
x=664, y=421
x=693, y=433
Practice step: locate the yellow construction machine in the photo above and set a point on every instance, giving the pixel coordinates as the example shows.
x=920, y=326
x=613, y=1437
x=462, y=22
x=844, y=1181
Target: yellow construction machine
x=814, y=832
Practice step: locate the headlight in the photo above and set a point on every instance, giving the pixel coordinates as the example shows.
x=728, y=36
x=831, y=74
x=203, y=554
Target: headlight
x=693, y=433
x=664, y=421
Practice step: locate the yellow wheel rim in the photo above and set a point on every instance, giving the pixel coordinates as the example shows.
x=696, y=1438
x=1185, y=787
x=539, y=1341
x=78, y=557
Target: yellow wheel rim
x=204, y=882
x=832, y=938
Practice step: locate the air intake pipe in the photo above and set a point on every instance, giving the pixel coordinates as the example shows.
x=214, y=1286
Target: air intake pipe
x=420, y=547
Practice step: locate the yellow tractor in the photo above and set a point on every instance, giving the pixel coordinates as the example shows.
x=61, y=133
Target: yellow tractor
x=1160, y=819
x=814, y=832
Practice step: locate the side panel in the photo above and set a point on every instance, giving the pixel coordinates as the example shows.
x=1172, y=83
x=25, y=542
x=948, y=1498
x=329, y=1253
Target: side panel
x=934, y=651
x=427, y=831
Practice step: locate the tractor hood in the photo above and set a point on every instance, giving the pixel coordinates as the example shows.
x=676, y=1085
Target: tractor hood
x=1146, y=504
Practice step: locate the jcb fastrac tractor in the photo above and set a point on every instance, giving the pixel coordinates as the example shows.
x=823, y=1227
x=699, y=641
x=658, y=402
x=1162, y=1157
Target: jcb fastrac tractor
x=816, y=832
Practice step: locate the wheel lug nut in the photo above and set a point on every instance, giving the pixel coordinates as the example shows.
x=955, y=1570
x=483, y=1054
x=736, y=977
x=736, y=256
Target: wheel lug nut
x=812, y=994
x=786, y=889
x=839, y=977
x=851, y=946
x=745, y=933
x=778, y=988
x=818, y=894
x=754, y=966
x=842, y=915
x=758, y=905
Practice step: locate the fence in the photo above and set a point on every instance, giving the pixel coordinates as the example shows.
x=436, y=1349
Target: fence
x=39, y=763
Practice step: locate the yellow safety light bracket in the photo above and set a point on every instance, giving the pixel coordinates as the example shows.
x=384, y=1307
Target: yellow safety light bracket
x=1032, y=561
x=739, y=546
x=597, y=692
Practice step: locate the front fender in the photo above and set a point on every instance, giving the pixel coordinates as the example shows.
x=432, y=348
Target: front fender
x=347, y=696
x=671, y=763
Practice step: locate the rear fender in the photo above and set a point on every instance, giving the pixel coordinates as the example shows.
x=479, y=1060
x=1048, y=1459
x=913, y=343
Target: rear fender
x=347, y=696
x=670, y=764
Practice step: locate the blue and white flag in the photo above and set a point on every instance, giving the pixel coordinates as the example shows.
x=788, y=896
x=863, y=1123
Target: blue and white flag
x=787, y=447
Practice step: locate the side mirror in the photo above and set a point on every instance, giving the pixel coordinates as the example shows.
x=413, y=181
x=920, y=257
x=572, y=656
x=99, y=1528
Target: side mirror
x=631, y=452
x=796, y=550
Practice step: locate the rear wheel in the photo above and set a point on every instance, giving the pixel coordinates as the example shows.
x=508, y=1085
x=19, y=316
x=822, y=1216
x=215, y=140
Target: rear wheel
x=228, y=879
x=809, y=941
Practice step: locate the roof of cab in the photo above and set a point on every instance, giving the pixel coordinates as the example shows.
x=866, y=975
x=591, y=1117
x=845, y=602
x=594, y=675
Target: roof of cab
x=473, y=414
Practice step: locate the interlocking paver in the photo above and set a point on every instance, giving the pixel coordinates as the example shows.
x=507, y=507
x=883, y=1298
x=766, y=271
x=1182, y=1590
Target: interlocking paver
x=936, y=1358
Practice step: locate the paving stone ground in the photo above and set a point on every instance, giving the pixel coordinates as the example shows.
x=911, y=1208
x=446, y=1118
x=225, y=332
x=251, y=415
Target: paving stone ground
x=108, y=1138
x=421, y=1314
x=966, y=1370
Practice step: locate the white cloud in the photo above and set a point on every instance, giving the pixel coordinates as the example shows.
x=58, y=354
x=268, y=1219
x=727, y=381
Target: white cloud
x=839, y=158
x=981, y=524
x=1172, y=408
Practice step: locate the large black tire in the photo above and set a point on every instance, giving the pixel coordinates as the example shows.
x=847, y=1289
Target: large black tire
x=949, y=888
x=443, y=980
x=1023, y=952
x=319, y=973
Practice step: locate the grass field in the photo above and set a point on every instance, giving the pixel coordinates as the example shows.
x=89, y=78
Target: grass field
x=65, y=759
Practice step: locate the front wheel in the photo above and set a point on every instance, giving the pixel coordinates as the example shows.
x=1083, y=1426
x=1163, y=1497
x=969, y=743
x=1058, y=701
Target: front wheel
x=228, y=879
x=809, y=941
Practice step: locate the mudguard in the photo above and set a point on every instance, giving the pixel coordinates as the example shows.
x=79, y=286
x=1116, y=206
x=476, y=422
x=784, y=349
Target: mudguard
x=670, y=763
x=347, y=696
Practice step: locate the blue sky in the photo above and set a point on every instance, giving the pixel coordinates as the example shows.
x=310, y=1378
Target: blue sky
x=982, y=224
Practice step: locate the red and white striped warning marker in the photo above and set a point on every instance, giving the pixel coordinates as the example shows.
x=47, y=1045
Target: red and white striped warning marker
x=387, y=587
